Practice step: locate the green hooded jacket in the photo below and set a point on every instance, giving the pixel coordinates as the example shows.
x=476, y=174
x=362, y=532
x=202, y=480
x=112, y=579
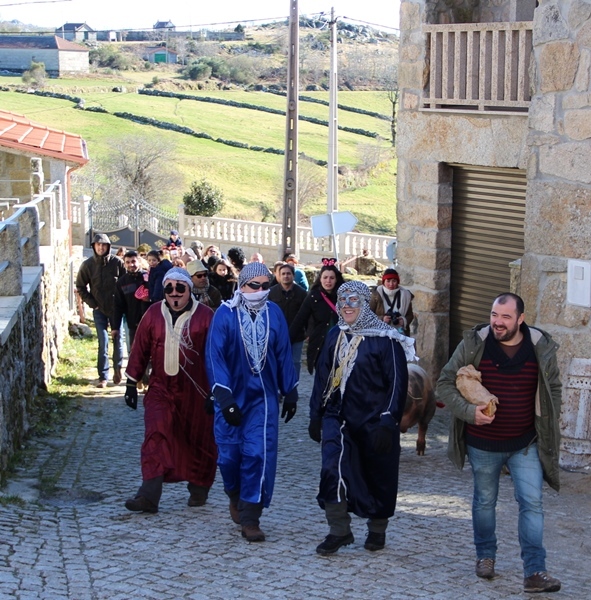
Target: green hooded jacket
x=547, y=403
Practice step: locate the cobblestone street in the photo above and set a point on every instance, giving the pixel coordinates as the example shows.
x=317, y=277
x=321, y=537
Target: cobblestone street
x=72, y=537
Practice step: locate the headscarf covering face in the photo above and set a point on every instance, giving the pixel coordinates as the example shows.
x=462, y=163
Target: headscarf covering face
x=254, y=300
x=252, y=270
x=367, y=323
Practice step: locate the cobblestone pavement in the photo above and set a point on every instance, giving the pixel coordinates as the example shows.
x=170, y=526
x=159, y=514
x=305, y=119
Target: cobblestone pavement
x=72, y=537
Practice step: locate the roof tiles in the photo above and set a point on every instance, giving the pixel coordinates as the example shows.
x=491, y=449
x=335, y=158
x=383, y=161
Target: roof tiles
x=19, y=133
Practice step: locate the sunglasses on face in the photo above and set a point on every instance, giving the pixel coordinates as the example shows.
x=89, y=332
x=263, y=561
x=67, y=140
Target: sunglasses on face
x=200, y=275
x=180, y=288
x=352, y=300
x=255, y=285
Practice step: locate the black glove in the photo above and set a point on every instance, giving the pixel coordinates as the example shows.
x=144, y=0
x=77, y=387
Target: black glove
x=131, y=394
x=382, y=440
x=315, y=430
x=290, y=405
x=232, y=414
x=289, y=410
x=209, y=407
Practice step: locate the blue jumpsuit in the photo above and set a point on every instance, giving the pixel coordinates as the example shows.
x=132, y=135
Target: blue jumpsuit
x=247, y=454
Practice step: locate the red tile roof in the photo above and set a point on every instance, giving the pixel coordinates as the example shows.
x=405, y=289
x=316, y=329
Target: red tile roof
x=18, y=133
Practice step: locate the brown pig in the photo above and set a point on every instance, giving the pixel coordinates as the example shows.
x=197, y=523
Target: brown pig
x=420, y=404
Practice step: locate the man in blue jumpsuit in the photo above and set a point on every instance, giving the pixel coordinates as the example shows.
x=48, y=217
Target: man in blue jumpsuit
x=355, y=410
x=248, y=361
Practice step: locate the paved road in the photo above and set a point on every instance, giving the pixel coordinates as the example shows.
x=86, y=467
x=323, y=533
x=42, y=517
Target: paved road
x=72, y=537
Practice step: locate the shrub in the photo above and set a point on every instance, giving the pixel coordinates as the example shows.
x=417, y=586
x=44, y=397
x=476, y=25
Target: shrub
x=203, y=199
x=36, y=74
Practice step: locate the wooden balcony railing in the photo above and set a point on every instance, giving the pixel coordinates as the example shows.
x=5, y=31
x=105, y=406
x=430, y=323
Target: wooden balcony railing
x=478, y=66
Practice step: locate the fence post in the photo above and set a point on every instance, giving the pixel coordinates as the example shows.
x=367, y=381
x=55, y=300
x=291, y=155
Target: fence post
x=29, y=231
x=11, y=267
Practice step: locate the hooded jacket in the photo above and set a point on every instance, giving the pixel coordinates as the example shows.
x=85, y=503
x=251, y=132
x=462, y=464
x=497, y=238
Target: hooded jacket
x=97, y=278
x=547, y=402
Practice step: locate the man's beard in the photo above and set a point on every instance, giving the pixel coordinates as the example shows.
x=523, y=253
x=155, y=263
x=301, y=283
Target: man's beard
x=505, y=335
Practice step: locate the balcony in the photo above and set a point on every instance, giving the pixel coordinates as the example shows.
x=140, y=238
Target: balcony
x=482, y=67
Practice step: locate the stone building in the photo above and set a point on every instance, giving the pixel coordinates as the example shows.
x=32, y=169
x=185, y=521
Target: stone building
x=494, y=184
x=36, y=292
x=57, y=54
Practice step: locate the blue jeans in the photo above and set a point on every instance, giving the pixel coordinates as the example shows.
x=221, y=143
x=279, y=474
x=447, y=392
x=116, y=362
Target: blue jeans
x=296, y=352
x=526, y=473
x=102, y=322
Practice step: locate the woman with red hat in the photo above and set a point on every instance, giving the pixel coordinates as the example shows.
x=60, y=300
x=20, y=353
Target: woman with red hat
x=392, y=303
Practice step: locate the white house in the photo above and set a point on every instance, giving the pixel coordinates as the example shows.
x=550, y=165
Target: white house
x=57, y=54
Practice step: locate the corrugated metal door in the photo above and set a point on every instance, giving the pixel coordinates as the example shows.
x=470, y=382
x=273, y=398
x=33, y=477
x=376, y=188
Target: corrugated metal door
x=487, y=234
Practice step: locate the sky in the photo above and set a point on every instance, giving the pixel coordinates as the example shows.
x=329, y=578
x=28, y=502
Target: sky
x=140, y=14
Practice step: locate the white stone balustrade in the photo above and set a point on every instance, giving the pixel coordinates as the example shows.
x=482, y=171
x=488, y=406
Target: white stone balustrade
x=266, y=238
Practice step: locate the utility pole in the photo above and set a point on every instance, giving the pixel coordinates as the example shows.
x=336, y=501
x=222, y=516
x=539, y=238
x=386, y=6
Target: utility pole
x=333, y=130
x=290, y=189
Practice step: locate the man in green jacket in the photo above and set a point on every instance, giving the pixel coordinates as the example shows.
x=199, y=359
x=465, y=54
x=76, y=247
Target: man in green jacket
x=96, y=284
x=518, y=365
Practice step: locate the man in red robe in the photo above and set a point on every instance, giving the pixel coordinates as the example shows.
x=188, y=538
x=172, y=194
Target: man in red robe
x=179, y=444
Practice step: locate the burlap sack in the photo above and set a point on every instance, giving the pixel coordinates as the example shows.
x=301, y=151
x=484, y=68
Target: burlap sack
x=468, y=382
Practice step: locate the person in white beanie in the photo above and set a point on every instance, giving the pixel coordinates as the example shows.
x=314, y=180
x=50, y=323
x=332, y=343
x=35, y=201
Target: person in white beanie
x=179, y=444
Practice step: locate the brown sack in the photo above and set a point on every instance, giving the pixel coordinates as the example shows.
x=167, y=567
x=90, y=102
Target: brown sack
x=468, y=382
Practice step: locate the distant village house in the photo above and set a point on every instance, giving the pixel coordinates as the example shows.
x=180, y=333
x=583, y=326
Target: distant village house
x=59, y=56
x=161, y=55
x=77, y=32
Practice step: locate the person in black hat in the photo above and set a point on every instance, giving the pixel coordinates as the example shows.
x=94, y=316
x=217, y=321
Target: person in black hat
x=174, y=239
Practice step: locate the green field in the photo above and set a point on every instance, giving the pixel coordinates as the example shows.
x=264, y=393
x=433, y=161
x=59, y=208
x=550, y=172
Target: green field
x=251, y=181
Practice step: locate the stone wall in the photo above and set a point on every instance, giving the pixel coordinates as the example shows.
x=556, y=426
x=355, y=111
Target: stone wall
x=558, y=217
x=553, y=143
x=14, y=59
x=20, y=356
x=427, y=143
x=444, y=12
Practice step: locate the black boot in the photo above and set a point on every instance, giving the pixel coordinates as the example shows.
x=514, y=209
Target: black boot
x=147, y=497
x=333, y=542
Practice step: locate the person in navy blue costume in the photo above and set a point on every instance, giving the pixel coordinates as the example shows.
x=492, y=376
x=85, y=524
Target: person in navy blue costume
x=356, y=406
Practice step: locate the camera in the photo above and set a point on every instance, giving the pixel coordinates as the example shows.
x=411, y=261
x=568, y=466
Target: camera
x=394, y=315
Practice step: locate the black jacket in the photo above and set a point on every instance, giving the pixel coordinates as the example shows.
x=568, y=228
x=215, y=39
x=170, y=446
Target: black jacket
x=290, y=303
x=125, y=301
x=97, y=280
x=225, y=285
x=318, y=317
x=156, y=276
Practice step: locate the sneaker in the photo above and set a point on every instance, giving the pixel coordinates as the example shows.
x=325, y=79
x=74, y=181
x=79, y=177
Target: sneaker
x=333, y=542
x=253, y=533
x=117, y=375
x=375, y=541
x=540, y=582
x=102, y=383
x=140, y=504
x=485, y=568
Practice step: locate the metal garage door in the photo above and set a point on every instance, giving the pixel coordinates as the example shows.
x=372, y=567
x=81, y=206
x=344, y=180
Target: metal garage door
x=487, y=234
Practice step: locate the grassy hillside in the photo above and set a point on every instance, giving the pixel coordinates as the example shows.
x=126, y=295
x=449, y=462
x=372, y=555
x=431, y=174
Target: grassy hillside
x=251, y=181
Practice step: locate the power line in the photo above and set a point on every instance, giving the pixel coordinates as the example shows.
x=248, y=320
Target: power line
x=34, y=2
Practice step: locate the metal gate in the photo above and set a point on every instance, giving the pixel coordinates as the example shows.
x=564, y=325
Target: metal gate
x=132, y=223
x=487, y=234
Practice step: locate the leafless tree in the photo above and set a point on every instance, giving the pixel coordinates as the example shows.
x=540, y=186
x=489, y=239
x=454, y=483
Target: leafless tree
x=142, y=168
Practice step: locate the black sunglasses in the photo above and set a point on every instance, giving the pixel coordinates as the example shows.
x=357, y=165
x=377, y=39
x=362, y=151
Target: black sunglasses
x=200, y=275
x=181, y=288
x=255, y=285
